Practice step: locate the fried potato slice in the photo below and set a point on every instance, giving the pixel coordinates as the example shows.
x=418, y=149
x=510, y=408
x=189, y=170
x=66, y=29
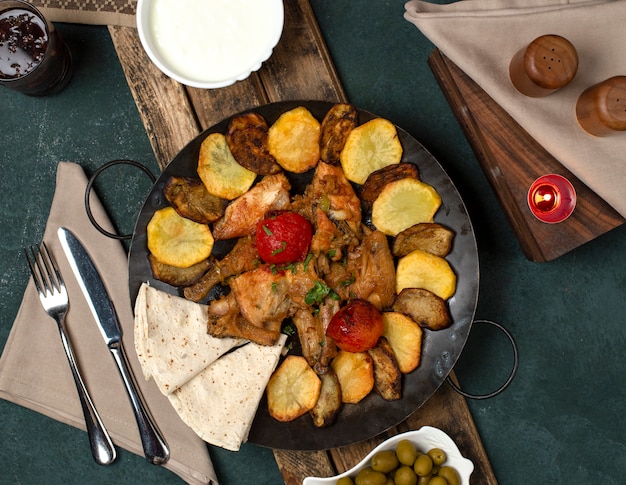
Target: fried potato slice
x=192, y=200
x=355, y=371
x=177, y=241
x=427, y=236
x=376, y=181
x=293, y=140
x=179, y=276
x=247, y=140
x=293, y=389
x=369, y=147
x=424, y=307
x=329, y=402
x=420, y=269
x=405, y=338
x=219, y=171
x=404, y=203
x=340, y=120
x=387, y=375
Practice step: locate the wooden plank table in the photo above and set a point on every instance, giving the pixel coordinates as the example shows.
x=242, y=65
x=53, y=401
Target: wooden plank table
x=300, y=68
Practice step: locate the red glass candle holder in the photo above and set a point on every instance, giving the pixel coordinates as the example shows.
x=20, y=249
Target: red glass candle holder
x=551, y=198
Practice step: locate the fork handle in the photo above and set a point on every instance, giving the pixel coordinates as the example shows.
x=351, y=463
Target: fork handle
x=155, y=448
x=102, y=447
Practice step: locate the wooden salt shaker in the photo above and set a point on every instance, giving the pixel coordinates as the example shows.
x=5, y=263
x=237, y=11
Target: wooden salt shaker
x=601, y=109
x=545, y=66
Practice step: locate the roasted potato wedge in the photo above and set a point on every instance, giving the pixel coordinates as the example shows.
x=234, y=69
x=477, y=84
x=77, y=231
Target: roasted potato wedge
x=387, y=375
x=329, y=402
x=219, y=171
x=293, y=389
x=355, y=371
x=420, y=269
x=376, y=181
x=340, y=120
x=405, y=338
x=369, y=147
x=293, y=140
x=404, y=203
x=424, y=307
x=179, y=276
x=191, y=199
x=247, y=139
x=177, y=241
x=427, y=236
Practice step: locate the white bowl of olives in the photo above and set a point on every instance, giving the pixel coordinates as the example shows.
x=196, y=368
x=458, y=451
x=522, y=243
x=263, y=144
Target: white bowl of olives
x=424, y=456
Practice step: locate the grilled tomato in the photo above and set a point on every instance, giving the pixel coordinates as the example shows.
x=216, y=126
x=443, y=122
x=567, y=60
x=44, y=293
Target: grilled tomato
x=283, y=237
x=356, y=327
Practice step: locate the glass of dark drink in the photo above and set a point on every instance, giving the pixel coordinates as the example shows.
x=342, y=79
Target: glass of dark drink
x=34, y=60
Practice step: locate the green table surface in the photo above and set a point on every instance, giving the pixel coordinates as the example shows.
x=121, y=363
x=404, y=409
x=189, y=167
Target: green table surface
x=559, y=422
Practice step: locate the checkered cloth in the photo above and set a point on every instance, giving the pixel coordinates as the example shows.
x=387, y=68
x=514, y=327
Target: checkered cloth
x=96, y=12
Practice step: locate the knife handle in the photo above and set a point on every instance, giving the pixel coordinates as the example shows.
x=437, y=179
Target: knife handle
x=155, y=448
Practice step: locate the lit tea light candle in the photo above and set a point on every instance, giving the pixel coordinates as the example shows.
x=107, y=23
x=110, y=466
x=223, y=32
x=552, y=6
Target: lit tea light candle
x=551, y=198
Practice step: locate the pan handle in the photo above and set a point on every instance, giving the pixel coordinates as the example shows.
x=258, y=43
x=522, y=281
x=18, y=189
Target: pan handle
x=92, y=179
x=511, y=375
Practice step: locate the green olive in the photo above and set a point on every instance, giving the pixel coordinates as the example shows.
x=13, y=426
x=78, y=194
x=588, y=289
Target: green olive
x=406, y=452
x=405, y=476
x=450, y=474
x=437, y=481
x=424, y=480
x=384, y=461
x=345, y=481
x=438, y=456
x=390, y=481
x=368, y=476
x=423, y=465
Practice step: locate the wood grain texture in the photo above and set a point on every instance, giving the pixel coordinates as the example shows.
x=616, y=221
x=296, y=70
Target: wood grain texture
x=163, y=104
x=301, y=68
x=511, y=160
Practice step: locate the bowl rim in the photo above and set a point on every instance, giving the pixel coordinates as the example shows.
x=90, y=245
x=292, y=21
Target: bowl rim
x=427, y=436
x=141, y=17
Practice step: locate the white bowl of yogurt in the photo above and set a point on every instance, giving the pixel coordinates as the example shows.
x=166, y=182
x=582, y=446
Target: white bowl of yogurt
x=209, y=43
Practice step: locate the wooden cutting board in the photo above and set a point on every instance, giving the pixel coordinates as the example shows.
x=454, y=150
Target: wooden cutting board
x=299, y=69
x=511, y=160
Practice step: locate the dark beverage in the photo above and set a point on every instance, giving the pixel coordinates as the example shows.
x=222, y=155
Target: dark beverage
x=33, y=58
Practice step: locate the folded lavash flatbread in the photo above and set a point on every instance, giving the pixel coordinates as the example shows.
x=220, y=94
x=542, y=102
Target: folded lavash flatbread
x=171, y=338
x=214, y=386
x=220, y=403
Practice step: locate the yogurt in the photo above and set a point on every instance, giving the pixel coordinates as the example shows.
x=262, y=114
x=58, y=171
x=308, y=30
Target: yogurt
x=214, y=41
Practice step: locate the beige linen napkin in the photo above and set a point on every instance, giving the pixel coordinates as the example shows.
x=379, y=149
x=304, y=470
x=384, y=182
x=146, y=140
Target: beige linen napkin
x=481, y=37
x=97, y=12
x=34, y=371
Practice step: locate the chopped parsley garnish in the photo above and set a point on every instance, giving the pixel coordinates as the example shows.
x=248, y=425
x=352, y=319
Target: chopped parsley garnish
x=319, y=291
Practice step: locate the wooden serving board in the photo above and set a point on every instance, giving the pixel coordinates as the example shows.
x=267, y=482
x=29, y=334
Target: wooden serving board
x=299, y=69
x=512, y=160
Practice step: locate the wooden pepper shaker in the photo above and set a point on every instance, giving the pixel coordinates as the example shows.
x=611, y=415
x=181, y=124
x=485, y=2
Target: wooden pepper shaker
x=601, y=109
x=545, y=66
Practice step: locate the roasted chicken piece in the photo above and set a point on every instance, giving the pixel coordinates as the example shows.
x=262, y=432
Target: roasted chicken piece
x=262, y=296
x=243, y=213
x=369, y=274
x=333, y=208
x=242, y=257
x=225, y=320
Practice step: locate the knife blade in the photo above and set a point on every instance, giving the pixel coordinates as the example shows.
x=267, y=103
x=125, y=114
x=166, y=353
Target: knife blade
x=154, y=446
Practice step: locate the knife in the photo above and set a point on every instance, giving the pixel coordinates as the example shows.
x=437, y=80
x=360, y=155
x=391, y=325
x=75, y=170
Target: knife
x=155, y=448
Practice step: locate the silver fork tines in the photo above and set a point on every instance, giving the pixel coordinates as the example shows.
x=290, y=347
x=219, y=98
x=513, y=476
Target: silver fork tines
x=54, y=299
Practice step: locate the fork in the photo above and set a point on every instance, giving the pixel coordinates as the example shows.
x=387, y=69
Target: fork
x=54, y=299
